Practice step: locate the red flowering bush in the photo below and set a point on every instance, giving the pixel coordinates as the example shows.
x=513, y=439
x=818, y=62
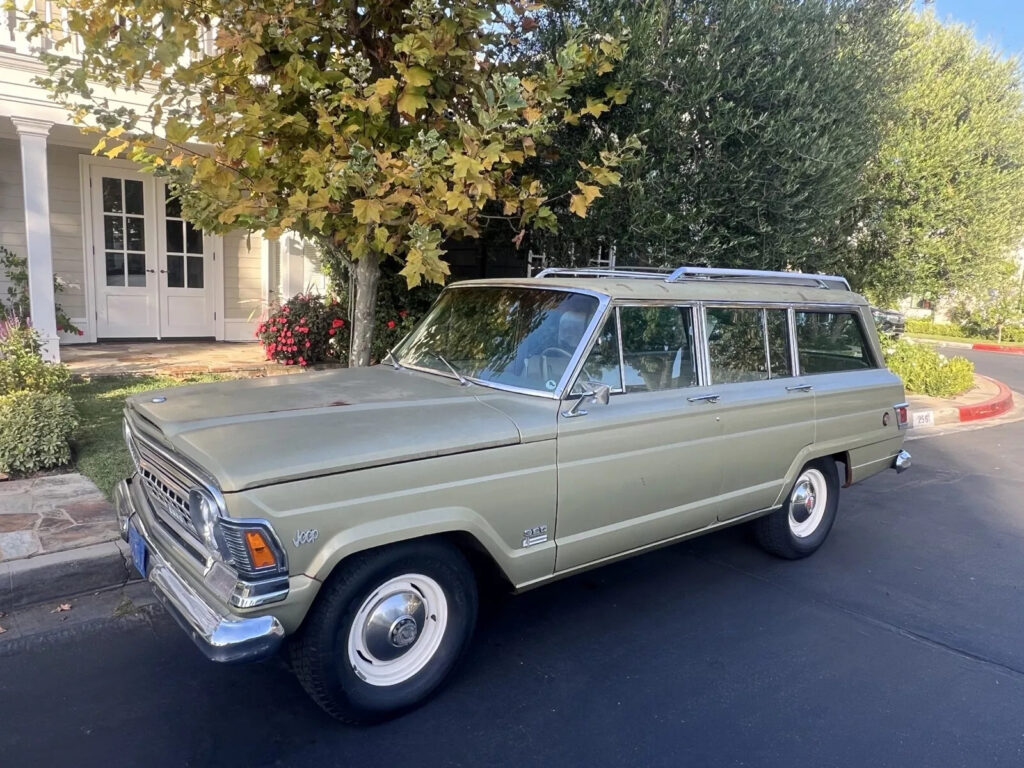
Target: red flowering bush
x=306, y=330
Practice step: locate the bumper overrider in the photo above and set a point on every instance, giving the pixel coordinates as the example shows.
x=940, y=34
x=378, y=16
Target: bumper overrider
x=218, y=634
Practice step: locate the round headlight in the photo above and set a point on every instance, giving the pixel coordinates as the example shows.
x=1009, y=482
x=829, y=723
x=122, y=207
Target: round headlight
x=202, y=509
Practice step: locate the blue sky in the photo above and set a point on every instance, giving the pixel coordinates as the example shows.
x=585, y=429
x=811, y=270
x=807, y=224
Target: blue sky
x=999, y=22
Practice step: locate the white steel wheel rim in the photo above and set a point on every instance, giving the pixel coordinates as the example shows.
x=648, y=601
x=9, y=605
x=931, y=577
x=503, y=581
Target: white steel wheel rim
x=811, y=481
x=397, y=629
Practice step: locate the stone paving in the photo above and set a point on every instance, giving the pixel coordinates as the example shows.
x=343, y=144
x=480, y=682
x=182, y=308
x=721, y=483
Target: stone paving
x=49, y=514
x=168, y=358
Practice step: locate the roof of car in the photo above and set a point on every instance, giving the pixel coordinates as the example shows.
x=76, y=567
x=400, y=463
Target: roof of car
x=646, y=289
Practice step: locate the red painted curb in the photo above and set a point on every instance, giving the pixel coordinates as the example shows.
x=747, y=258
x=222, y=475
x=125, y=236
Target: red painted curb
x=998, y=348
x=999, y=404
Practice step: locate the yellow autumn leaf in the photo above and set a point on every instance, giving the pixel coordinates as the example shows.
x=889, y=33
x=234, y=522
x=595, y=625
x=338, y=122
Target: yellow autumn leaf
x=465, y=167
x=367, y=211
x=578, y=205
x=532, y=114
x=112, y=153
x=417, y=76
x=589, y=191
x=594, y=107
x=411, y=100
x=604, y=67
x=458, y=201
x=116, y=131
x=385, y=86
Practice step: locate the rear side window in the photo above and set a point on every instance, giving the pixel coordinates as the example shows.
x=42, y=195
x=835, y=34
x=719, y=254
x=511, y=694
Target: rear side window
x=736, y=345
x=831, y=341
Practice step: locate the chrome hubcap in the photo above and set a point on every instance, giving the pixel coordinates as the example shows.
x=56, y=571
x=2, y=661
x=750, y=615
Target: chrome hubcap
x=398, y=629
x=807, y=503
x=393, y=625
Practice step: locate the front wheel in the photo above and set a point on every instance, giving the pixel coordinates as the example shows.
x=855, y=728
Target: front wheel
x=803, y=523
x=388, y=629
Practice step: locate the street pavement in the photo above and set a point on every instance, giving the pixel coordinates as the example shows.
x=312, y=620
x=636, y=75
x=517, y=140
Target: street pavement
x=897, y=644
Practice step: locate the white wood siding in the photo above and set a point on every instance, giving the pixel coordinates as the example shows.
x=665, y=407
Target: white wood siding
x=243, y=277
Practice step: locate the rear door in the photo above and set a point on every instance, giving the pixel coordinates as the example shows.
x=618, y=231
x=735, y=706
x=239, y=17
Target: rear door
x=767, y=413
x=645, y=467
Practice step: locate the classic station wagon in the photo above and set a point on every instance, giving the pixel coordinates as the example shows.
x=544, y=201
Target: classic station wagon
x=533, y=427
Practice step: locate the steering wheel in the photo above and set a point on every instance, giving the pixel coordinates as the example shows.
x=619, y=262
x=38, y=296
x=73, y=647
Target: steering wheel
x=544, y=365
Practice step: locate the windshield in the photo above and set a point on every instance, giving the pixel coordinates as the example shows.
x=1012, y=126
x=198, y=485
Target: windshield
x=517, y=337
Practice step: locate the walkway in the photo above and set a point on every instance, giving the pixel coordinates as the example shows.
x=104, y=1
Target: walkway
x=171, y=358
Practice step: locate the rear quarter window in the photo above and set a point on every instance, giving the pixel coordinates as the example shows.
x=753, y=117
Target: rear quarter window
x=828, y=342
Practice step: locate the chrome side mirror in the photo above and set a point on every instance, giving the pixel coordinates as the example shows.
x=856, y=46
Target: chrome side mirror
x=596, y=391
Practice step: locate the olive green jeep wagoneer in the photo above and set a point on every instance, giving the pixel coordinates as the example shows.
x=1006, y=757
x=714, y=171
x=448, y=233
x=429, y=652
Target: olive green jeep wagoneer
x=532, y=427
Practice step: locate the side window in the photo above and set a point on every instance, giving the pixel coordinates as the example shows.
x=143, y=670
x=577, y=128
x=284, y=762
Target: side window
x=657, y=348
x=602, y=363
x=781, y=363
x=831, y=341
x=736, y=345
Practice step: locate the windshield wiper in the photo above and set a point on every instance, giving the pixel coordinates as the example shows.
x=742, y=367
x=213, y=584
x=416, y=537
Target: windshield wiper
x=394, y=360
x=462, y=379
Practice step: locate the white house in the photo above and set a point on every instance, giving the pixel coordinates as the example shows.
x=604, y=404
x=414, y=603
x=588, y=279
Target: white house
x=134, y=268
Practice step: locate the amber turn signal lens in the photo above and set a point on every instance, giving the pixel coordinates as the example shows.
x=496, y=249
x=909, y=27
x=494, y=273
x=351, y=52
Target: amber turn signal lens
x=260, y=554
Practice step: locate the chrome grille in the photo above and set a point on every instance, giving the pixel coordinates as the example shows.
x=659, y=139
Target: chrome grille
x=166, y=485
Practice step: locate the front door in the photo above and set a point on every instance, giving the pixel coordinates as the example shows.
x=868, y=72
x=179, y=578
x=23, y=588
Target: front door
x=151, y=267
x=186, y=303
x=646, y=467
x=125, y=254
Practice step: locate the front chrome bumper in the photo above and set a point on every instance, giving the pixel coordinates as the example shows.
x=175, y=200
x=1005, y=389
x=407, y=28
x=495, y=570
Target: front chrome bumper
x=219, y=635
x=902, y=462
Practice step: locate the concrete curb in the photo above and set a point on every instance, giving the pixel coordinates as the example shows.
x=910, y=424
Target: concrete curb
x=60, y=575
x=1001, y=348
x=953, y=414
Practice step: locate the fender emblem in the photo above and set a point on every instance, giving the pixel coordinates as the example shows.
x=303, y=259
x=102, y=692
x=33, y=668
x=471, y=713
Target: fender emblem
x=305, y=537
x=537, y=535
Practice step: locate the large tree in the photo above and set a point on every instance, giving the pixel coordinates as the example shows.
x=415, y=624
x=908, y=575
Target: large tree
x=947, y=201
x=379, y=129
x=758, y=118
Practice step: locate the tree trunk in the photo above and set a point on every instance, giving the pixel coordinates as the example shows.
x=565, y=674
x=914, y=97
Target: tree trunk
x=367, y=274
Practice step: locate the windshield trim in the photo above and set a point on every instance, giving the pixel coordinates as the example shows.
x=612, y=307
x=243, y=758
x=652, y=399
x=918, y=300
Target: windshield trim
x=603, y=302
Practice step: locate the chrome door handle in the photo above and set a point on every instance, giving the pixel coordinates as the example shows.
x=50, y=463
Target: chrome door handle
x=800, y=388
x=703, y=399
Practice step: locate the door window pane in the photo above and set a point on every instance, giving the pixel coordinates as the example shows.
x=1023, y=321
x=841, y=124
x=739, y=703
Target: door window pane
x=137, y=269
x=736, y=345
x=831, y=341
x=175, y=271
x=111, y=195
x=778, y=343
x=115, y=269
x=173, y=204
x=603, y=361
x=136, y=226
x=133, y=197
x=194, y=238
x=657, y=348
x=195, y=271
x=175, y=236
x=113, y=232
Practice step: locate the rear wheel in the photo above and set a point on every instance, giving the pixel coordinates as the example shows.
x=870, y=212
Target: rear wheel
x=803, y=523
x=387, y=631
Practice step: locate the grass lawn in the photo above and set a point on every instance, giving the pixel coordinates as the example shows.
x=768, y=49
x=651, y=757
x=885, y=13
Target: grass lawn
x=98, y=448
x=963, y=339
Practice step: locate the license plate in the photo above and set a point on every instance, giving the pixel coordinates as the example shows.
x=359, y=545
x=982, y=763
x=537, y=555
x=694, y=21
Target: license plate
x=137, y=545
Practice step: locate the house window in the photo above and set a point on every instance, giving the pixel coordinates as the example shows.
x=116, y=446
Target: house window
x=184, y=248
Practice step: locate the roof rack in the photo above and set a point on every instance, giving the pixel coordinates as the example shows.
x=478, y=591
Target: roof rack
x=834, y=282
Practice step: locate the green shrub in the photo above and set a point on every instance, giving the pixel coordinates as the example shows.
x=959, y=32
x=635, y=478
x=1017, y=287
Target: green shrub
x=934, y=329
x=36, y=427
x=924, y=371
x=22, y=367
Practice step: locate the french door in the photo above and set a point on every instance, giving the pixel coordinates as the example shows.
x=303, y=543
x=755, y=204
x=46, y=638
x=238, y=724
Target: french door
x=152, y=268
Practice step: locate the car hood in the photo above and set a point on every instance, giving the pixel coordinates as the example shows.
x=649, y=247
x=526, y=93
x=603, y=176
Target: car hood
x=254, y=432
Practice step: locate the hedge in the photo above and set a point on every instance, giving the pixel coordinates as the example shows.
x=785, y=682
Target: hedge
x=925, y=371
x=36, y=430
x=1011, y=333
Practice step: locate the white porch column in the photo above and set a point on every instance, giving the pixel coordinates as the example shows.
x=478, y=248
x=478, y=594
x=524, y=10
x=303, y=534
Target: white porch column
x=36, y=187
